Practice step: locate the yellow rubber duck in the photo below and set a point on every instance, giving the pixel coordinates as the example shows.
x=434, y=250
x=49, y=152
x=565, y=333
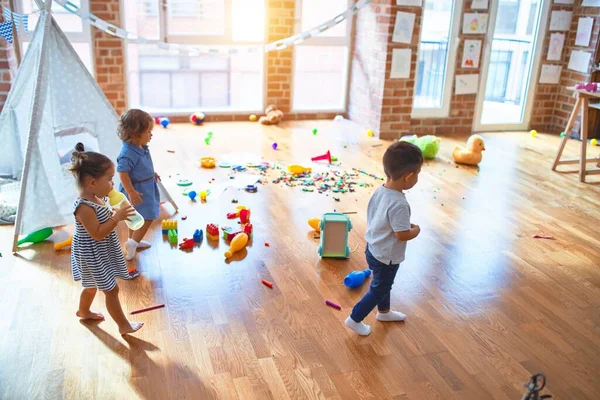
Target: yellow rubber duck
x=471, y=155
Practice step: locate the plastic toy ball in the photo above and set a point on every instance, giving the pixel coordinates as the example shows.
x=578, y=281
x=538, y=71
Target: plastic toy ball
x=315, y=131
x=338, y=118
x=562, y=134
x=165, y=122
x=253, y=118
x=274, y=146
x=594, y=142
x=197, y=118
x=370, y=132
x=192, y=195
x=533, y=133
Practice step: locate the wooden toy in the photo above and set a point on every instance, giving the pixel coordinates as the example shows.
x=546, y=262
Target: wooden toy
x=237, y=244
x=334, y=235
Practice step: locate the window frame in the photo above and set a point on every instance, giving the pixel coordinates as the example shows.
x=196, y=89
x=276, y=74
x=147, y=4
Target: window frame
x=453, y=42
x=200, y=41
x=323, y=41
x=85, y=36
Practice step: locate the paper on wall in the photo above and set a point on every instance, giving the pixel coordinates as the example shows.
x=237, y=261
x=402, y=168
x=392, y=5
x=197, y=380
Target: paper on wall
x=466, y=84
x=584, y=32
x=591, y=3
x=415, y=3
x=401, y=60
x=550, y=74
x=479, y=4
x=561, y=20
x=475, y=23
x=471, y=54
x=403, y=29
x=557, y=41
x=564, y=1
x=579, y=61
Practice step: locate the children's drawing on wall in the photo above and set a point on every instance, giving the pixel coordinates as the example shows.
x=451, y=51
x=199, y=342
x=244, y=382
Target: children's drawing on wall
x=471, y=54
x=557, y=41
x=475, y=23
x=585, y=26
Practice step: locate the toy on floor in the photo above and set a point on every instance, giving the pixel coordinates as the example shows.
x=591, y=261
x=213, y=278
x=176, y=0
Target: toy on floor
x=253, y=118
x=164, y=122
x=117, y=199
x=197, y=118
x=471, y=155
x=245, y=216
x=36, y=237
x=274, y=146
x=192, y=195
x=429, y=145
x=334, y=235
x=203, y=195
x=267, y=283
x=370, y=132
x=333, y=305
x=172, y=236
x=356, y=278
x=184, y=182
x=298, y=169
x=272, y=116
x=64, y=244
x=251, y=188
x=315, y=224
x=533, y=133
x=594, y=142
x=147, y=309
x=212, y=232
x=198, y=235
x=168, y=225
x=187, y=244
x=248, y=230
x=228, y=233
x=535, y=385
x=237, y=244
x=324, y=157
x=208, y=162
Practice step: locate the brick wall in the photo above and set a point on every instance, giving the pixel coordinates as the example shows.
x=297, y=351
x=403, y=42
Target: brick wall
x=108, y=55
x=8, y=66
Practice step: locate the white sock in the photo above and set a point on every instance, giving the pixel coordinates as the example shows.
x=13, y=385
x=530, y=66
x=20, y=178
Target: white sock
x=130, y=248
x=143, y=244
x=391, y=316
x=359, y=327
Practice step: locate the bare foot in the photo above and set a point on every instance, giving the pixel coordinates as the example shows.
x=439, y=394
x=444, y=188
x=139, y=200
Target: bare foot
x=131, y=327
x=89, y=315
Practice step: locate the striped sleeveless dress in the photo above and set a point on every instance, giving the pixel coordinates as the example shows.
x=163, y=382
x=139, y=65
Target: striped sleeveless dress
x=97, y=263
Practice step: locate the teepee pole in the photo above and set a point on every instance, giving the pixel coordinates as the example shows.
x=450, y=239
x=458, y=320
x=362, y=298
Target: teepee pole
x=34, y=129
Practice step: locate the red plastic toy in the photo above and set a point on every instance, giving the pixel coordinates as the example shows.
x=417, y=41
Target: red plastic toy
x=186, y=244
x=212, y=232
x=231, y=215
x=244, y=216
x=326, y=156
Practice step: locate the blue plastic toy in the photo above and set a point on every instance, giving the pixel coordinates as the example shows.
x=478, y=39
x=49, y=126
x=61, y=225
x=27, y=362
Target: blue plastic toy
x=334, y=235
x=192, y=195
x=164, y=121
x=198, y=235
x=356, y=278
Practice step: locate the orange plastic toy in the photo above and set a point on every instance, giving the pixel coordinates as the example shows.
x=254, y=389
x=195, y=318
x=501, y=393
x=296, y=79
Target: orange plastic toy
x=63, y=244
x=207, y=162
x=237, y=244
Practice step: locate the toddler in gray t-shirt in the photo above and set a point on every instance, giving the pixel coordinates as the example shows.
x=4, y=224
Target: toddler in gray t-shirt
x=388, y=230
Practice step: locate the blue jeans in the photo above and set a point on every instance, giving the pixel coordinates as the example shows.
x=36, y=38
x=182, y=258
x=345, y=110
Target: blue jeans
x=379, y=292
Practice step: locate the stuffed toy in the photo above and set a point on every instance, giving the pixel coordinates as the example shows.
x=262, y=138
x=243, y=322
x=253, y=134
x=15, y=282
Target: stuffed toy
x=272, y=117
x=471, y=155
x=429, y=145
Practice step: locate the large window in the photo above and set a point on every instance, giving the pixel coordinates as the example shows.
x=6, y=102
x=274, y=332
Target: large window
x=174, y=81
x=441, y=20
x=78, y=33
x=321, y=63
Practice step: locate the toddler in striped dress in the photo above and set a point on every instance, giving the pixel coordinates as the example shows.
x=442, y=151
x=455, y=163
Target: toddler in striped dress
x=96, y=255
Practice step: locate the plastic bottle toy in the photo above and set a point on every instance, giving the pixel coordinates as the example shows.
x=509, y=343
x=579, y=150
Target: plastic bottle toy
x=172, y=236
x=237, y=244
x=298, y=169
x=36, y=237
x=356, y=278
x=117, y=199
x=168, y=225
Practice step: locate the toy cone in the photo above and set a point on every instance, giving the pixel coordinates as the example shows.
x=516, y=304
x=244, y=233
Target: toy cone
x=326, y=156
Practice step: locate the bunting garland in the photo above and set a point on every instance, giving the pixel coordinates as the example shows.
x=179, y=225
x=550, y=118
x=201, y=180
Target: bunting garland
x=6, y=31
x=11, y=17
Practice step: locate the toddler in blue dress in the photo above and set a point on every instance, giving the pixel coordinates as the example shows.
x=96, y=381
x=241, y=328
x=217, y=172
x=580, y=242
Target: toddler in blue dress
x=136, y=171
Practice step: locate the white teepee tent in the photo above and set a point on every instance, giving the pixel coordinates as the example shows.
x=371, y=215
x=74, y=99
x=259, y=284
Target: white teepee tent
x=53, y=104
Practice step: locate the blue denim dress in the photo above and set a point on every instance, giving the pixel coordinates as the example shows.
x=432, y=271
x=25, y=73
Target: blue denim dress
x=138, y=163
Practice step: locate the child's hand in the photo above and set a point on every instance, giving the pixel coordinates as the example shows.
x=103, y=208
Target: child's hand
x=416, y=229
x=156, y=176
x=123, y=214
x=135, y=197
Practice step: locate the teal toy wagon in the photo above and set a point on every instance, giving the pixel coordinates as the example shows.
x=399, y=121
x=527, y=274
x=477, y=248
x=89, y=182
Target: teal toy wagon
x=334, y=235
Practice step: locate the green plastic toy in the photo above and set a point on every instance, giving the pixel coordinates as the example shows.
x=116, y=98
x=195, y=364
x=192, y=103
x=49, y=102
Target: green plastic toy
x=429, y=145
x=172, y=235
x=36, y=237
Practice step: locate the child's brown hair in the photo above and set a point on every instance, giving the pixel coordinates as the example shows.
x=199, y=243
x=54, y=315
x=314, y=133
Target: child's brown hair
x=88, y=163
x=400, y=159
x=133, y=124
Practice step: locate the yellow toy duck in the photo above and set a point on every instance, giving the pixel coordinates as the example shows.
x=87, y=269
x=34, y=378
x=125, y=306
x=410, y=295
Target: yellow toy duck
x=471, y=155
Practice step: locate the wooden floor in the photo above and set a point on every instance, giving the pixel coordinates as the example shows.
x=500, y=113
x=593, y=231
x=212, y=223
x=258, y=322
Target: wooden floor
x=487, y=305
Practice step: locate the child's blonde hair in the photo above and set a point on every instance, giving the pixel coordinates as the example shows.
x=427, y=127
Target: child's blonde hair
x=133, y=124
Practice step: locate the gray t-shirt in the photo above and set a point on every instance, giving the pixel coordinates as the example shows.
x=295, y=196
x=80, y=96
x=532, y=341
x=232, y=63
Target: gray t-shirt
x=388, y=212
